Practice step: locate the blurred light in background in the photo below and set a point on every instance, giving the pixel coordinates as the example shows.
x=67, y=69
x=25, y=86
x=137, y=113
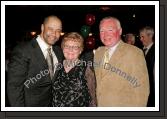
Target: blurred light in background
x=33, y=33
x=61, y=33
x=134, y=15
x=90, y=34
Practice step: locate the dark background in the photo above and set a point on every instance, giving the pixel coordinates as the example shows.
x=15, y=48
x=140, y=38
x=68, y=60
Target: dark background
x=20, y=20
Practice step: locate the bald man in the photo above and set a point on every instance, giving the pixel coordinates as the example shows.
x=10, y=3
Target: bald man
x=33, y=67
x=120, y=69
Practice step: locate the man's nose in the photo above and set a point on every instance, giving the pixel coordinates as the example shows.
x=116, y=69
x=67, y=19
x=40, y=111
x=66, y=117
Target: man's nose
x=105, y=33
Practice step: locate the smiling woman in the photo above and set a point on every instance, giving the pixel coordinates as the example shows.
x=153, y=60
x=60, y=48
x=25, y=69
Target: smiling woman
x=72, y=46
x=75, y=84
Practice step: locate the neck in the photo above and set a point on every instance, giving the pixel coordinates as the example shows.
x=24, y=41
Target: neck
x=149, y=44
x=41, y=35
x=69, y=64
x=72, y=61
x=112, y=45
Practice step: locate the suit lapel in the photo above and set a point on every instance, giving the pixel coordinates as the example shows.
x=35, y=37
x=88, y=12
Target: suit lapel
x=115, y=57
x=151, y=51
x=98, y=60
x=59, y=55
x=39, y=57
x=117, y=53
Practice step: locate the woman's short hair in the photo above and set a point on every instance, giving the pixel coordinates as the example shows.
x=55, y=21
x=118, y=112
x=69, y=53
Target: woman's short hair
x=73, y=36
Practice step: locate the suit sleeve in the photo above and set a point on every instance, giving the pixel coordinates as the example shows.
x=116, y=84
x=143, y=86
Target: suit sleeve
x=17, y=74
x=141, y=73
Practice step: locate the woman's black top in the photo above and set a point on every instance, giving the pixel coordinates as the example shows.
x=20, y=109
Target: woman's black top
x=70, y=89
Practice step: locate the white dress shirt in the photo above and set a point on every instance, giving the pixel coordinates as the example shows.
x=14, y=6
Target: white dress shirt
x=112, y=50
x=44, y=46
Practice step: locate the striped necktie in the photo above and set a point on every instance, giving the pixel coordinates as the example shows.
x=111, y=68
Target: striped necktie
x=106, y=56
x=105, y=61
x=49, y=60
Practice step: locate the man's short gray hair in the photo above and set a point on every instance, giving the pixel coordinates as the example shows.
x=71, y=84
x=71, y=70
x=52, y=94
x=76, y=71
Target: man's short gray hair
x=112, y=18
x=148, y=30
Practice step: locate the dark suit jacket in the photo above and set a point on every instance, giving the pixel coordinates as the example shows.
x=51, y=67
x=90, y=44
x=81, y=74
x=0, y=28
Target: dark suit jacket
x=28, y=65
x=150, y=59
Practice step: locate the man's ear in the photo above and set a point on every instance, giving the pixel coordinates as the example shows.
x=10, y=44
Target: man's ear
x=120, y=31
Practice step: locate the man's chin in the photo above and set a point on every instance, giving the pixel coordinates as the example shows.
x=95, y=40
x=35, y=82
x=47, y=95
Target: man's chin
x=52, y=42
x=107, y=44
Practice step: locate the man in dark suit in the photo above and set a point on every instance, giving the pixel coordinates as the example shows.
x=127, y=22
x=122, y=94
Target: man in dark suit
x=33, y=67
x=146, y=37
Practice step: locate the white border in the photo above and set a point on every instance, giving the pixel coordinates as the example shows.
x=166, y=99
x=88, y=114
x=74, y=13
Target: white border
x=3, y=3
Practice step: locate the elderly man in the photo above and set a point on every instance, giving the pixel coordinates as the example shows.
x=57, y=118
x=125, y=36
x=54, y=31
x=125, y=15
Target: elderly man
x=32, y=68
x=146, y=37
x=122, y=77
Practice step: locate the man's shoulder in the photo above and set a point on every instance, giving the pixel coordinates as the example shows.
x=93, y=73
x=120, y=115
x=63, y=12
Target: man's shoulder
x=24, y=46
x=152, y=49
x=100, y=48
x=88, y=56
x=131, y=48
x=56, y=47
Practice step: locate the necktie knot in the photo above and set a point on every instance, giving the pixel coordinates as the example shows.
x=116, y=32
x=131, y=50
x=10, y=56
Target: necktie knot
x=144, y=50
x=49, y=51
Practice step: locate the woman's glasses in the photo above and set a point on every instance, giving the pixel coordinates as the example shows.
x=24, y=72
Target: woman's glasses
x=71, y=47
